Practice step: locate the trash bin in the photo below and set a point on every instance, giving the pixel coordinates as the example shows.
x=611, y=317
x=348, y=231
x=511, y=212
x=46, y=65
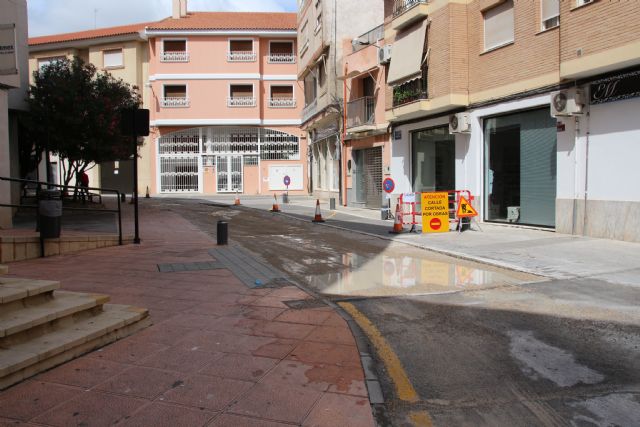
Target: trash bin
x=385, y=213
x=49, y=213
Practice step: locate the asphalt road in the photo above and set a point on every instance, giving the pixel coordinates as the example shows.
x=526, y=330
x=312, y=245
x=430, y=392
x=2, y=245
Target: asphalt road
x=476, y=345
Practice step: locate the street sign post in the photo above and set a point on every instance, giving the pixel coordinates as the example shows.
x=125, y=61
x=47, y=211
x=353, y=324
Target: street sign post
x=435, y=212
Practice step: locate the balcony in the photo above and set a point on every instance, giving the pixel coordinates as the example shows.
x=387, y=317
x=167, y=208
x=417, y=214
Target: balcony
x=282, y=103
x=361, y=112
x=173, y=102
x=409, y=92
x=174, y=57
x=242, y=56
x=368, y=38
x=241, y=101
x=406, y=12
x=309, y=110
x=281, y=58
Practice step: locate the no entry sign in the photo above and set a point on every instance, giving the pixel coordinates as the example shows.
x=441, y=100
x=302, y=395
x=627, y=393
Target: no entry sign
x=435, y=212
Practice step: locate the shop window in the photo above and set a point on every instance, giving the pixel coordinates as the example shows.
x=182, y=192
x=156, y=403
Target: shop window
x=433, y=153
x=520, y=168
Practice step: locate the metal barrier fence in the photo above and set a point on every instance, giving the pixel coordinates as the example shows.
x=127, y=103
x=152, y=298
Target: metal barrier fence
x=411, y=206
x=40, y=185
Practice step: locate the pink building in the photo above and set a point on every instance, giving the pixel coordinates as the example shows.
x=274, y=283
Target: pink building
x=225, y=103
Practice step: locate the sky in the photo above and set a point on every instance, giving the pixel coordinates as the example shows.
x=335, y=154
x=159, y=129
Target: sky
x=66, y=16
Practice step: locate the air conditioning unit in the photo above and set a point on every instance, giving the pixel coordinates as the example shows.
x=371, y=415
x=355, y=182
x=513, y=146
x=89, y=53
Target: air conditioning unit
x=567, y=102
x=384, y=54
x=459, y=123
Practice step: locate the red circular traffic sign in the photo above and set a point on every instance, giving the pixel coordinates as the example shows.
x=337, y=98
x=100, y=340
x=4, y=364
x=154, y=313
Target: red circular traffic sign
x=435, y=223
x=388, y=185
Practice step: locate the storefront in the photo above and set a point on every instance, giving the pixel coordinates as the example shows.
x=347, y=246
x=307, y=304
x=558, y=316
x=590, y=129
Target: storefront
x=433, y=153
x=520, y=168
x=367, y=177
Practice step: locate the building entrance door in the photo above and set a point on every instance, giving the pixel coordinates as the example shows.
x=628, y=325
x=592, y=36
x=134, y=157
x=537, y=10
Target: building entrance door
x=229, y=174
x=368, y=173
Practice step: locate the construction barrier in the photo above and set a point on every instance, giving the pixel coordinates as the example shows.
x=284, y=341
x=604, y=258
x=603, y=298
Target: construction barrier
x=411, y=207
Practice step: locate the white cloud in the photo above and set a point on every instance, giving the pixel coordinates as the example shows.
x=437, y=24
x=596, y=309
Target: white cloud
x=64, y=16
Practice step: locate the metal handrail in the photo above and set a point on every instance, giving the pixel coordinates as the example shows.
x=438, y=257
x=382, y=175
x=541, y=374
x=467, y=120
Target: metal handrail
x=401, y=6
x=47, y=184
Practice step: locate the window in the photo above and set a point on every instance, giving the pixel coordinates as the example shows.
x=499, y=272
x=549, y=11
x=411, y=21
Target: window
x=310, y=88
x=498, y=26
x=112, y=58
x=174, y=51
x=43, y=62
x=175, y=96
x=282, y=97
x=321, y=75
x=281, y=52
x=304, y=37
x=583, y=2
x=241, y=51
x=550, y=13
x=241, y=95
x=318, y=23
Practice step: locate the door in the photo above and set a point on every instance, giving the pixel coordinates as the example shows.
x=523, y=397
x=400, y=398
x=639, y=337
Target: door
x=179, y=173
x=372, y=174
x=229, y=174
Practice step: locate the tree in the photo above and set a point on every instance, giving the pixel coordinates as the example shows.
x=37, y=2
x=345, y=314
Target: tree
x=75, y=113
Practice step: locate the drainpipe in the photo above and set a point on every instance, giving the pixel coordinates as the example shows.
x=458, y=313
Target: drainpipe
x=343, y=182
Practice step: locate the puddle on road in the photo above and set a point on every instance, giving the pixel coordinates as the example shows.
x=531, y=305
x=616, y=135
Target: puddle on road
x=411, y=272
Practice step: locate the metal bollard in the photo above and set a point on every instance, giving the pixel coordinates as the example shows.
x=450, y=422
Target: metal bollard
x=222, y=232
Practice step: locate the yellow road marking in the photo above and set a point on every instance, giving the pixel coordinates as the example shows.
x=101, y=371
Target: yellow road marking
x=399, y=377
x=421, y=419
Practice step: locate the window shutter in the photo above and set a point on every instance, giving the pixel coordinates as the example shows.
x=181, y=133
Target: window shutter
x=499, y=25
x=113, y=58
x=550, y=9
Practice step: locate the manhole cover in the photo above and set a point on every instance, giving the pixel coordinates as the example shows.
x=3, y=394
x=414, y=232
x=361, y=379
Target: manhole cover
x=301, y=304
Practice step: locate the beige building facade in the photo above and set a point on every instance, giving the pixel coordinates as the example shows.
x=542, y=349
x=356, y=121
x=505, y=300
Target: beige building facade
x=13, y=92
x=528, y=105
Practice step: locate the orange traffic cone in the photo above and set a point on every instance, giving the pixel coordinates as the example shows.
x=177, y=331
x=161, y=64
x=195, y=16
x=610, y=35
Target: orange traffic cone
x=318, y=216
x=275, y=208
x=397, y=224
x=237, y=201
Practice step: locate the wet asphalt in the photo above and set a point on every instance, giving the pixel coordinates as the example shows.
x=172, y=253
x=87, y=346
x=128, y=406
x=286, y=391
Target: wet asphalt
x=480, y=345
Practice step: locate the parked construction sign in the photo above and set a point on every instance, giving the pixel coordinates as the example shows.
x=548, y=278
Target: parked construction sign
x=465, y=210
x=435, y=212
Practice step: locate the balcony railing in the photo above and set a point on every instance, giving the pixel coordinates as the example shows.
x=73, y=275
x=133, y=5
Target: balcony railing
x=282, y=102
x=368, y=38
x=309, y=110
x=401, y=6
x=174, y=102
x=241, y=101
x=410, y=91
x=242, y=56
x=361, y=112
x=180, y=56
x=281, y=58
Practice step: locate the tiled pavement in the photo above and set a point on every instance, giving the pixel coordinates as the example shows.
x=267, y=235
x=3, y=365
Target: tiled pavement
x=218, y=354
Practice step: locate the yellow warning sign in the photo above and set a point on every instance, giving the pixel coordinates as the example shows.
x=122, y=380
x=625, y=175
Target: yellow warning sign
x=435, y=212
x=465, y=209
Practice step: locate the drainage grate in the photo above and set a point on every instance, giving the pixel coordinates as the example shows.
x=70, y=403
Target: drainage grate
x=189, y=266
x=301, y=304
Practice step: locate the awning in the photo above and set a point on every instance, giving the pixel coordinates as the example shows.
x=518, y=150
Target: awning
x=406, y=57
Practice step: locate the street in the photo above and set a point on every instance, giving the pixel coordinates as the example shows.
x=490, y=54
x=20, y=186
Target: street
x=458, y=342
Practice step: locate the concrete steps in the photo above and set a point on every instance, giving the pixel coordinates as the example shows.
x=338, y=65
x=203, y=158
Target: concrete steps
x=41, y=326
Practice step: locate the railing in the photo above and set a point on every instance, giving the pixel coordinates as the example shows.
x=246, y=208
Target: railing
x=361, y=112
x=241, y=101
x=39, y=185
x=401, y=6
x=179, y=56
x=281, y=58
x=368, y=38
x=242, y=56
x=282, y=102
x=309, y=110
x=410, y=91
x=173, y=102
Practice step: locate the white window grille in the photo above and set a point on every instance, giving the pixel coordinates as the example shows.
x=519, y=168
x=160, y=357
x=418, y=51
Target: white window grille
x=174, y=51
x=174, y=57
x=282, y=102
x=186, y=141
x=179, y=174
x=250, y=160
x=241, y=101
x=242, y=56
x=281, y=58
x=175, y=102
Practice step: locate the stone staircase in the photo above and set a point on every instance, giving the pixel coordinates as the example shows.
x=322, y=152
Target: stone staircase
x=42, y=326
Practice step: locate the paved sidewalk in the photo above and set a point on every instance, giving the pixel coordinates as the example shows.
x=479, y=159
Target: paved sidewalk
x=219, y=353
x=537, y=251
